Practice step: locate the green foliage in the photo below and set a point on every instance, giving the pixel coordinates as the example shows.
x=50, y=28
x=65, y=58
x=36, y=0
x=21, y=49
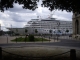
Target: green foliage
x=68, y=5
x=20, y=39
x=26, y=30
x=27, y=4
x=31, y=38
x=67, y=31
x=25, y=39
x=28, y=39
x=40, y=39
x=50, y=31
x=36, y=31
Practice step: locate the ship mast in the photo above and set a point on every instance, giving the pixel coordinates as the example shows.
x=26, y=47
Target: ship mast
x=0, y=27
x=52, y=13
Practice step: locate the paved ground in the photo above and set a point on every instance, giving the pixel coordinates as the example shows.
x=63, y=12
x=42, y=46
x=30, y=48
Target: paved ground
x=43, y=51
x=39, y=48
x=7, y=39
x=40, y=52
x=61, y=43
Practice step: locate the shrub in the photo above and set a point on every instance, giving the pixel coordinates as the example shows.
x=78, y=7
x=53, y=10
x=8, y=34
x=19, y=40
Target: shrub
x=31, y=38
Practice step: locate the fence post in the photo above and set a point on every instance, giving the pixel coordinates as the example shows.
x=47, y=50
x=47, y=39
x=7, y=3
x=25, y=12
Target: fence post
x=73, y=54
x=42, y=39
x=25, y=39
x=16, y=39
x=0, y=53
x=7, y=39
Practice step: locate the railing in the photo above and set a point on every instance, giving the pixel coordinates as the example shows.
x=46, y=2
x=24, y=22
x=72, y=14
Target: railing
x=72, y=55
x=50, y=38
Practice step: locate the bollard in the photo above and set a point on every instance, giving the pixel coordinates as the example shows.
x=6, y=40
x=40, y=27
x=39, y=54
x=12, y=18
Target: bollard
x=0, y=53
x=73, y=54
x=49, y=39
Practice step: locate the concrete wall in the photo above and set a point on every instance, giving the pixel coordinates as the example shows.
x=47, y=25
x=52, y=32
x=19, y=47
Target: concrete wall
x=76, y=17
x=20, y=31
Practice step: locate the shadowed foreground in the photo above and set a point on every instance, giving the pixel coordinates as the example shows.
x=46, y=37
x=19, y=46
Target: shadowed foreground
x=37, y=53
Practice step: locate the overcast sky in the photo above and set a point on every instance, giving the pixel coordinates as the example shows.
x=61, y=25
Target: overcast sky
x=18, y=17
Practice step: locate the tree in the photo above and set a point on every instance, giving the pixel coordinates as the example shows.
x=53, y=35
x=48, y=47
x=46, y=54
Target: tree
x=50, y=31
x=27, y=4
x=36, y=31
x=59, y=31
x=26, y=30
x=68, y=5
x=67, y=30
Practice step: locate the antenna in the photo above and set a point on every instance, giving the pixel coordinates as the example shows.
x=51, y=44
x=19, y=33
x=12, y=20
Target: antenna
x=39, y=17
x=52, y=13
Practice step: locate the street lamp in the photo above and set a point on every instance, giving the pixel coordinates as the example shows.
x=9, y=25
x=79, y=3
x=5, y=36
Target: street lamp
x=50, y=31
x=58, y=24
x=11, y=29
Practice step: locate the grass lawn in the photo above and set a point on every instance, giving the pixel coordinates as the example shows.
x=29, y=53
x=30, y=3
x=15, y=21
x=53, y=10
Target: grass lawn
x=21, y=39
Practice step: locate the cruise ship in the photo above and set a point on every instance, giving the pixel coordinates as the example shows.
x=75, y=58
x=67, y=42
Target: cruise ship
x=44, y=26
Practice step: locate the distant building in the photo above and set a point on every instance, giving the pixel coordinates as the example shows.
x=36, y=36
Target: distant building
x=1, y=32
x=44, y=26
x=19, y=31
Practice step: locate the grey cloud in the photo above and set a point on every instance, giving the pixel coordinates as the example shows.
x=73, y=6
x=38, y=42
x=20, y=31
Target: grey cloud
x=18, y=8
x=4, y=16
x=64, y=14
x=19, y=24
x=4, y=28
x=20, y=17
